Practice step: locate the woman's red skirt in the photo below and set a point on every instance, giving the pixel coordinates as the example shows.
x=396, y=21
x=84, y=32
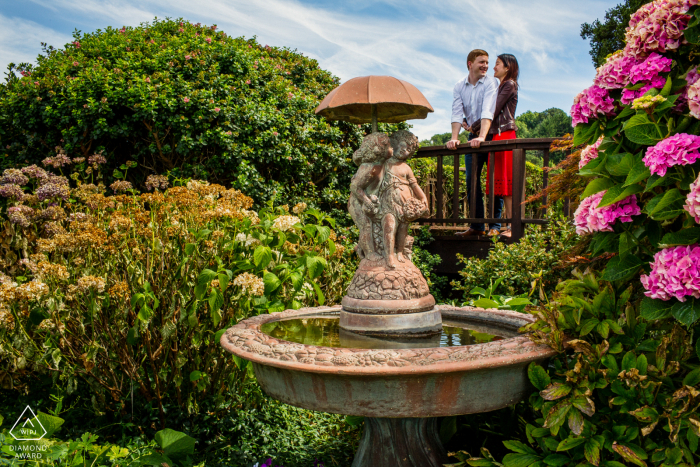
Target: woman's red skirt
x=503, y=174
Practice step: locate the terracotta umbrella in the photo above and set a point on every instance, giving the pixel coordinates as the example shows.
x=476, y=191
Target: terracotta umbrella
x=374, y=99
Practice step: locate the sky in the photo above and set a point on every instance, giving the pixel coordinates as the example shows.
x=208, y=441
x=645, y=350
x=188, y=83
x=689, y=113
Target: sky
x=423, y=42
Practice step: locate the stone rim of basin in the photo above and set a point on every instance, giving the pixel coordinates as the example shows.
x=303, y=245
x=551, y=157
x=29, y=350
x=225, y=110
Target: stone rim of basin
x=247, y=341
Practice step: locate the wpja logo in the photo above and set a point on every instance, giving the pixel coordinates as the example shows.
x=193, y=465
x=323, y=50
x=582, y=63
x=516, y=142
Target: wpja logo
x=28, y=427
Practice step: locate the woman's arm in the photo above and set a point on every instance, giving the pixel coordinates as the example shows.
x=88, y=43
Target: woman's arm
x=505, y=93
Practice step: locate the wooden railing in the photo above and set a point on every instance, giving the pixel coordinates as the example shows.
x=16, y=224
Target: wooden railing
x=517, y=218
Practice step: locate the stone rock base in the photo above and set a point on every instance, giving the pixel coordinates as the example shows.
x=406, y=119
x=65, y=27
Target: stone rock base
x=421, y=324
x=374, y=281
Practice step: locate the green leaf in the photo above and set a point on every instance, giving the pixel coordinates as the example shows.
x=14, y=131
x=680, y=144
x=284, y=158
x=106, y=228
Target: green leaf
x=692, y=34
x=132, y=337
x=610, y=362
x=216, y=299
x=692, y=378
x=570, y=443
x=271, y=281
x=297, y=280
x=687, y=312
x=628, y=454
x=666, y=90
x=592, y=451
x=639, y=129
x=262, y=256
x=175, y=444
x=584, y=132
x=519, y=459
x=189, y=249
x=682, y=237
x=669, y=206
x=315, y=265
x=485, y=303
x=448, y=427
x=621, y=268
x=597, y=185
x=639, y=172
x=223, y=281
x=654, y=309
x=618, y=193
x=518, y=446
x=538, y=376
x=50, y=423
x=195, y=375
x=206, y=276
x=656, y=180
x=620, y=164
x=323, y=233
x=319, y=294
x=555, y=391
x=354, y=420
x=629, y=361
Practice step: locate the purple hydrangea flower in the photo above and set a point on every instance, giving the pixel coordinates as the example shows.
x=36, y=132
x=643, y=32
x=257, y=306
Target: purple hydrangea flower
x=589, y=103
x=52, y=190
x=679, y=149
x=589, y=218
x=12, y=191
x=13, y=177
x=649, y=70
x=675, y=273
x=33, y=171
x=21, y=215
x=692, y=201
x=615, y=73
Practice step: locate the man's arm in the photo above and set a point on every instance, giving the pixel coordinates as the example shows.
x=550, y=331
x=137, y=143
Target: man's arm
x=483, y=133
x=457, y=116
x=487, y=109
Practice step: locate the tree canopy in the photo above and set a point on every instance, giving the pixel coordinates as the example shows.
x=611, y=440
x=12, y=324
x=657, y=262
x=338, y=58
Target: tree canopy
x=608, y=36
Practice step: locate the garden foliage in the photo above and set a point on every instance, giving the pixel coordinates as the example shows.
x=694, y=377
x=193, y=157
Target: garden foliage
x=623, y=390
x=187, y=99
x=122, y=293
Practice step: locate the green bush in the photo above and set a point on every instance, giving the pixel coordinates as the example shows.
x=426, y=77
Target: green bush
x=183, y=98
x=540, y=251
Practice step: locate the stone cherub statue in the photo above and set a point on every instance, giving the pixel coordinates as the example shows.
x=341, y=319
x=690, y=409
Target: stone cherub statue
x=363, y=204
x=401, y=200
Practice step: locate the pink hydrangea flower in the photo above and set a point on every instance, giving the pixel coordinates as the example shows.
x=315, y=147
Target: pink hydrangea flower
x=649, y=70
x=679, y=149
x=675, y=273
x=615, y=73
x=629, y=95
x=216, y=109
x=589, y=218
x=692, y=201
x=185, y=99
x=589, y=153
x=657, y=27
x=693, y=96
x=589, y=103
x=208, y=39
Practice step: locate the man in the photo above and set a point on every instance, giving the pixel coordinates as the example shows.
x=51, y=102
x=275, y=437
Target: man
x=475, y=99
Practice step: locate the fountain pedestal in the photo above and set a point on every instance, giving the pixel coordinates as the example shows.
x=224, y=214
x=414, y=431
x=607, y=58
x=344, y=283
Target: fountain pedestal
x=408, y=442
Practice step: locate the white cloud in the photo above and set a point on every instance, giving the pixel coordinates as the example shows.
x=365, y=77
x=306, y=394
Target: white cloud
x=423, y=43
x=20, y=40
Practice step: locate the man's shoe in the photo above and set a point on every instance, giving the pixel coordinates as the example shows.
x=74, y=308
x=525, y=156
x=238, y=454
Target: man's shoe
x=493, y=232
x=469, y=232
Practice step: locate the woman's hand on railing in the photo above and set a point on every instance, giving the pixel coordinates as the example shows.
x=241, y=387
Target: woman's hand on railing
x=452, y=144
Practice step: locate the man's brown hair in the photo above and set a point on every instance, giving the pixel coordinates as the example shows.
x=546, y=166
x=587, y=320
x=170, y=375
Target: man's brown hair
x=474, y=54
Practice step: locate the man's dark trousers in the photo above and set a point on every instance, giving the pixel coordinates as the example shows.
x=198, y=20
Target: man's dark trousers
x=482, y=158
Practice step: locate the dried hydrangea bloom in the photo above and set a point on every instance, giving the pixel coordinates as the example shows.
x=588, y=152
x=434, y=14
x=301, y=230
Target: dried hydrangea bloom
x=97, y=159
x=250, y=284
x=53, y=191
x=647, y=102
x=615, y=73
x=7, y=319
x=88, y=283
x=692, y=201
x=32, y=290
x=54, y=228
x=589, y=153
x=299, y=208
x=78, y=160
x=121, y=186
x=46, y=269
x=13, y=177
x=589, y=218
x=13, y=192
x=157, y=182
x=248, y=240
x=591, y=103
x=57, y=161
x=675, y=273
x=33, y=171
x=120, y=291
x=285, y=223
x=21, y=215
x=679, y=149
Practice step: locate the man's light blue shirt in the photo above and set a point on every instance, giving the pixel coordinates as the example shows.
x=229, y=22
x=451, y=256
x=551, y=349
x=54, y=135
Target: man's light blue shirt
x=474, y=102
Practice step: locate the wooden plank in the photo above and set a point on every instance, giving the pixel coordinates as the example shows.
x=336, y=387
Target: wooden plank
x=518, y=185
x=472, y=188
x=487, y=146
x=491, y=169
x=439, y=213
x=545, y=179
x=455, y=188
x=462, y=220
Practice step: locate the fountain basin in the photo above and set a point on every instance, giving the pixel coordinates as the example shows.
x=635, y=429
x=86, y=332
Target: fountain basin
x=392, y=383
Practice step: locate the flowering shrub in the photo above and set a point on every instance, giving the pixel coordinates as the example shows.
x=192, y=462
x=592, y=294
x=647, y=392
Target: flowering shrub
x=589, y=103
x=589, y=153
x=590, y=218
x=674, y=274
x=104, y=290
x=186, y=99
x=679, y=149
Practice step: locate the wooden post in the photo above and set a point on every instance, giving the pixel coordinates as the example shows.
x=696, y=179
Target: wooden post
x=545, y=180
x=491, y=168
x=439, y=212
x=518, y=185
x=472, y=188
x=455, y=188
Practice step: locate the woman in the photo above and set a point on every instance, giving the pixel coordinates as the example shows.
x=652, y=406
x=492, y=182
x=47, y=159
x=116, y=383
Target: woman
x=507, y=72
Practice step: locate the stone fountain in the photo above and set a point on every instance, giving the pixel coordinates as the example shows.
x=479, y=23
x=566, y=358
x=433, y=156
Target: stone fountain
x=388, y=353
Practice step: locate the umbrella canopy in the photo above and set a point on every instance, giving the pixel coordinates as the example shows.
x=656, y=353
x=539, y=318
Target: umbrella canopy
x=385, y=98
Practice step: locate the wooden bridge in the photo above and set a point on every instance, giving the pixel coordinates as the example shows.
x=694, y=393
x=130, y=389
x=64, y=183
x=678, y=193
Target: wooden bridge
x=447, y=246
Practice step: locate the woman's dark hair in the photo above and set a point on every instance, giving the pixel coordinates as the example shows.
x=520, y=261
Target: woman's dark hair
x=510, y=62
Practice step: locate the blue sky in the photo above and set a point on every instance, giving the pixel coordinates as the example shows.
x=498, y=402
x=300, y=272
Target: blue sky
x=422, y=42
